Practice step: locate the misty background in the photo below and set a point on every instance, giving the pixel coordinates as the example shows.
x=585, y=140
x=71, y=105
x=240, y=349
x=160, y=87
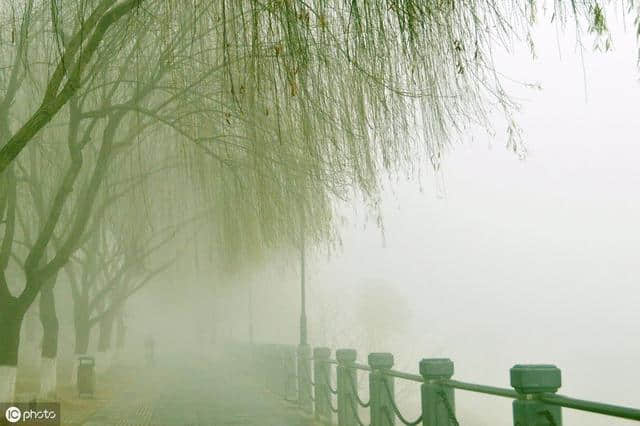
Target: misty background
x=493, y=260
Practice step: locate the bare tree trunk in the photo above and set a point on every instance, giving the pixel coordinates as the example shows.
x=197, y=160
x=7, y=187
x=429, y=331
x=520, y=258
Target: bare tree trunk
x=104, y=342
x=49, y=355
x=83, y=334
x=11, y=316
x=82, y=328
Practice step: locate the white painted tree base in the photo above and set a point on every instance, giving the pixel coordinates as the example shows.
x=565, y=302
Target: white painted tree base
x=48, y=378
x=8, y=383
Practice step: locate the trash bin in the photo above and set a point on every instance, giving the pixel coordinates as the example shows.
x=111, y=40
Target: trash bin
x=86, y=376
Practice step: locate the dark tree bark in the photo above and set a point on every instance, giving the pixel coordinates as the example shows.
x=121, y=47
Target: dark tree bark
x=11, y=316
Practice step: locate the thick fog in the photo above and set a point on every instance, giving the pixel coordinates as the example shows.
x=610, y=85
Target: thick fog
x=499, y=261
x=494, y=260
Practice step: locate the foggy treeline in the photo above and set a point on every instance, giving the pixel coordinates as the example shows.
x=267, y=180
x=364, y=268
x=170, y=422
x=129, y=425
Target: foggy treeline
x=137, y=135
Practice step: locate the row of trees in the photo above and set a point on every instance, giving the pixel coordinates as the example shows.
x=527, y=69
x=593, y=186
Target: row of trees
x=123, y=122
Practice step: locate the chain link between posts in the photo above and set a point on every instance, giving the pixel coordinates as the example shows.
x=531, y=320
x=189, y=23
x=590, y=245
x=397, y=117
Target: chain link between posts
x=355, y=392
x=397, y=411
x=355, y=412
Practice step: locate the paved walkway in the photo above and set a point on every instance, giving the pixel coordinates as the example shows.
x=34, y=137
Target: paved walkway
x=198, y=392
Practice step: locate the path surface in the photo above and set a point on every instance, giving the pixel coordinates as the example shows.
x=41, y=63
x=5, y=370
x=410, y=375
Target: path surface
x=197, y=392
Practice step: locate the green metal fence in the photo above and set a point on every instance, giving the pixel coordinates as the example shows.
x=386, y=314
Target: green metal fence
x=305, y=377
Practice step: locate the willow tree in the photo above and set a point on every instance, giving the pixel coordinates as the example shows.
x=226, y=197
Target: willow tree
x=273, y=109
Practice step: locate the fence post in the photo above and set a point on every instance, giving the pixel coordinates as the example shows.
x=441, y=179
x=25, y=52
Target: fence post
x=320, y=376
x=438, y=403
x=381, y=399
x=345, y=374
x=529, y=380
x=304, y=377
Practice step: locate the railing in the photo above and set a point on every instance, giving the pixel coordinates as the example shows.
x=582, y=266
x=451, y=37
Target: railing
x=287, y=371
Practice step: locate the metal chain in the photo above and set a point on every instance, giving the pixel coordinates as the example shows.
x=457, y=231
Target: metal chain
x=355, y=412
x=397, y=411
x=355, y=392
x=445, y=401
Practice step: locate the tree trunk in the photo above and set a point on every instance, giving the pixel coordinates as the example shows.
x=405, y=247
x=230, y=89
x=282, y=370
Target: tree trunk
x=11, y=316
x=82, y=328
x=50, y=327
x=106, y=331
x=104, y=343
x=30, y=338
x=83, y=334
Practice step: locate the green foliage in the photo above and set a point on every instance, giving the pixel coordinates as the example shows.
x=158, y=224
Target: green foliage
x=255, y=116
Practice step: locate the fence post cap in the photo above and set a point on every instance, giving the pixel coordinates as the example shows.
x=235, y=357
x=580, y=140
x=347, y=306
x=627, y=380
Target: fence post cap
x=380, y=360
x=436, y=368
x=322, y=352
x=535, y=378
x=346, y=356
